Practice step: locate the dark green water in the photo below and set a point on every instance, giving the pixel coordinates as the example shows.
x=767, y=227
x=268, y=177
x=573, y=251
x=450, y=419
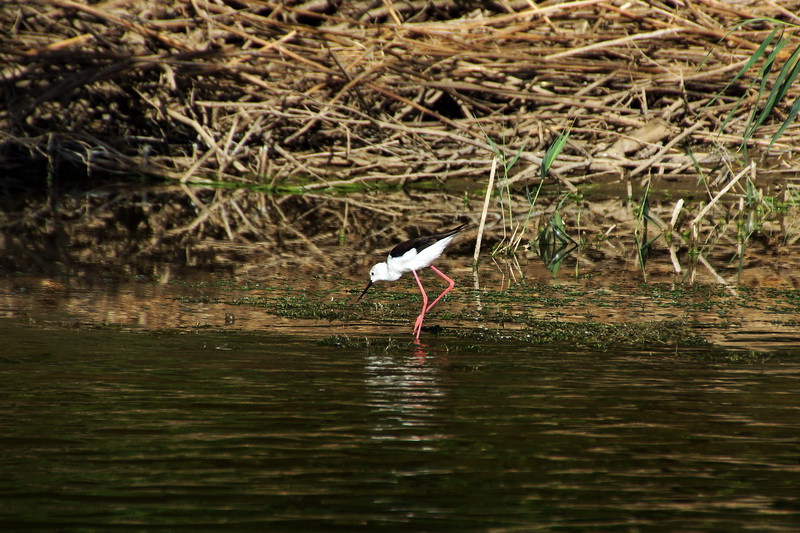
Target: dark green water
x=112, y=431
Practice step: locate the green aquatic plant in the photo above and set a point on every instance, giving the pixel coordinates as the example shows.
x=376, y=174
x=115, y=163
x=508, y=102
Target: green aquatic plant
x=769, y=54
x=512, y=238
x=792, y=226
x=755, y=209
x=513, y=233
x=554, y=243
x=641, y=233
x=510, y=231
x=553, y=151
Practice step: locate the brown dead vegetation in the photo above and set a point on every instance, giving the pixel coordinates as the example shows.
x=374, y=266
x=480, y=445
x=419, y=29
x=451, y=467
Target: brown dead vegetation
x=329, y=92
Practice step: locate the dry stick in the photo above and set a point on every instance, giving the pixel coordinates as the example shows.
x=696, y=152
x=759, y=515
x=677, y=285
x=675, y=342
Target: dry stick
x=676, y=264
x=361, y=205
x=423, y=109
x=214, y=146
x=226, y=149
x=330, y=103
x=672, y=255
x=446, y=134
x=343, y=231
x=59, y=45
x=785, y=12
x=245, y=219
x=266, y=44
x=698, y=29
x=456, y=125
x=727, y=8
x=351, y=181
x=289, y=157
x=417, y=131
x=447, y=27
x=719, y=195
x=700, y=16
x=486, y=200
x=613, y=42
x=255, y=126
x=224, y=216
x=186, y=176
x=714, y=273
x=201, y=131
x=557, y=170
x=132, y=26
x=205, y=213
x=667, y=147
x=675, y=214
x=393, y=13
x=289, y=226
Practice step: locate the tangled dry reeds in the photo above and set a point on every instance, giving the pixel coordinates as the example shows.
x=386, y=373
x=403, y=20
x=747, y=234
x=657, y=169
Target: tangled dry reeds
x=331, y=92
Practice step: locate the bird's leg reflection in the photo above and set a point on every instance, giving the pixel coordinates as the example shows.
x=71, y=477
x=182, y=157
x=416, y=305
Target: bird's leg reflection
x=419, y=352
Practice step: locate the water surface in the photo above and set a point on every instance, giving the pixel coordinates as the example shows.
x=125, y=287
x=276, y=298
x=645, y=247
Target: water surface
x=105, y=430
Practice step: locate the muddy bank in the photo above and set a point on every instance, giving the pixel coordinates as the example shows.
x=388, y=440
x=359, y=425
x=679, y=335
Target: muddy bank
x=179, y=259
x=609, y=312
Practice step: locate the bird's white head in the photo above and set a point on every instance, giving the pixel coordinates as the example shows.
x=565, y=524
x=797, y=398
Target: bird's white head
x=380, y=272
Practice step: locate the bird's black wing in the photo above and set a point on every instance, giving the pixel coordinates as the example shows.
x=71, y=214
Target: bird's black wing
x=421, y=243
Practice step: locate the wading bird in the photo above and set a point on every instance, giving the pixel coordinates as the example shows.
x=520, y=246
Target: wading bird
x=411, y=256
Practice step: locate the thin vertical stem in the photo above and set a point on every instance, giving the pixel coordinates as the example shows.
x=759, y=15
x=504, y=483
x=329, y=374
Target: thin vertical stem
x=485, y=211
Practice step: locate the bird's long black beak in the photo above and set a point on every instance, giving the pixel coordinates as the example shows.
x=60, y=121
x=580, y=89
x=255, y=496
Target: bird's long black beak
x=365, y=291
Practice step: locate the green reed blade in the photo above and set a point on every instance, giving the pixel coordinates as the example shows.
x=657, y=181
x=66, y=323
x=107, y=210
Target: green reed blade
x=758, y=54
x=789, y=119
x=783, y=82
x=553, y=152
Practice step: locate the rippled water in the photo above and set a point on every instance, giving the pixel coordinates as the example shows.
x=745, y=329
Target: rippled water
x=104, y=431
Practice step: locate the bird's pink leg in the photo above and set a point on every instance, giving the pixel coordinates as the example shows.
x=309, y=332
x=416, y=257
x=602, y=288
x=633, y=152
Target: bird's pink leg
x=448, y=289
x=418, y=323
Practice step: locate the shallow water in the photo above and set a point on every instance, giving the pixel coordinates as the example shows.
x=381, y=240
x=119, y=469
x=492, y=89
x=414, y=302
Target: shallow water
x=170, y=375
x=107, y=430
x=307, y=304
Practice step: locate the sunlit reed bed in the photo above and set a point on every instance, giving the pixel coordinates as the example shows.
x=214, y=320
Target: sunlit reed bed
x=322, y=96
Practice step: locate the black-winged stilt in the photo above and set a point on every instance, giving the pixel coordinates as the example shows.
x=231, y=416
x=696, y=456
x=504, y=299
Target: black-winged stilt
x=411, y=256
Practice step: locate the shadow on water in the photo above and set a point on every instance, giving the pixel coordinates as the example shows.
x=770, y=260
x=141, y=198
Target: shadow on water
x=195, y=360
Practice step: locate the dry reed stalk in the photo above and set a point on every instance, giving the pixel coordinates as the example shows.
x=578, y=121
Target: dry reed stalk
x=484, y=211
x=696, y=220
x=667, y=147
x=324, y=86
